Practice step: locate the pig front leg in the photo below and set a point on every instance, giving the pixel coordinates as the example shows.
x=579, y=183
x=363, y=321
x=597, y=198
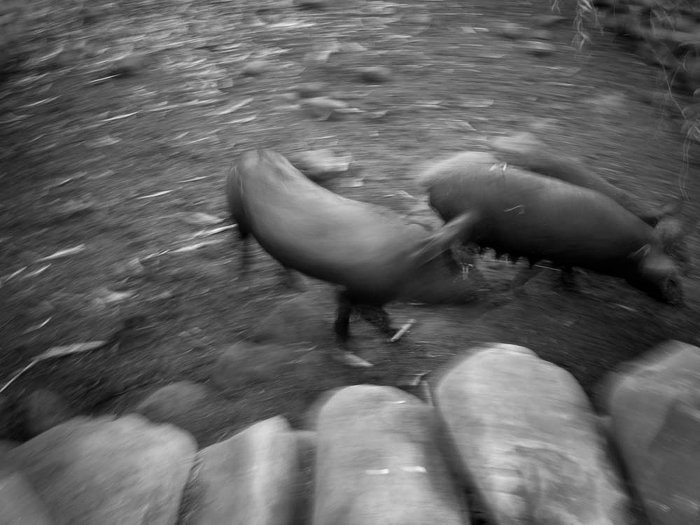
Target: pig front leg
x=342, y=331
x=377, y=317
x=342, y=318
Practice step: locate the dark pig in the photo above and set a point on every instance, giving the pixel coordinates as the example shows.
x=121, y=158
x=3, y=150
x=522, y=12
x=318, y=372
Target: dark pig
x=522, y=214
x=370, y=251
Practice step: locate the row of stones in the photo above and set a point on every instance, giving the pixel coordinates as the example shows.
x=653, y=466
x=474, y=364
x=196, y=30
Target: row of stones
x=516, y=431
x=665, y=33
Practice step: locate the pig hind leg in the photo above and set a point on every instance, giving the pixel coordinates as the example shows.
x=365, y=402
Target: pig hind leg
x=246, y=255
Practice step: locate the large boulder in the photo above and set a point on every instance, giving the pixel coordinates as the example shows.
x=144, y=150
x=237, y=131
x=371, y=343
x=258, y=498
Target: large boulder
x=377, y=461
x=654, y=406
x=524, y=434
x=249, y=478
x=19, y=504
x=108, y=471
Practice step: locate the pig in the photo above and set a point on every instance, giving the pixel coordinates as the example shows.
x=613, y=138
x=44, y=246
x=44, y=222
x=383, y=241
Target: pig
x=522, y=214
x=525, y=151
x=370, y=252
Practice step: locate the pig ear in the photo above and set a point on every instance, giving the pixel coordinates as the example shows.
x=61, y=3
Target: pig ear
x=457, y=229
x=640, y=254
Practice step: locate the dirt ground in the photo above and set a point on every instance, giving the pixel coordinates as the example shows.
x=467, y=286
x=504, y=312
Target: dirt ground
x=117, y=163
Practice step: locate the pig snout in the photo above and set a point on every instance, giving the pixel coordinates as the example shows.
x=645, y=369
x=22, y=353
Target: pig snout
x=658, y=275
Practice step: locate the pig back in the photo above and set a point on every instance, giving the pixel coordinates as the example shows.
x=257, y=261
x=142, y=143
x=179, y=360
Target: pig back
x=537, y=217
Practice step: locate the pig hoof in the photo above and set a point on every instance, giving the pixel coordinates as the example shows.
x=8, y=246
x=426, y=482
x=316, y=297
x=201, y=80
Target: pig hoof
x=673, y=294
x=350, y=359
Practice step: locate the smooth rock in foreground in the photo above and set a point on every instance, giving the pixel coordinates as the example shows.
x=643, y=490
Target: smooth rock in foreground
x=249, y=479
x=19, y=505
x=108, y=471
x=524, y=433
x=655, y=420
x=377, y=462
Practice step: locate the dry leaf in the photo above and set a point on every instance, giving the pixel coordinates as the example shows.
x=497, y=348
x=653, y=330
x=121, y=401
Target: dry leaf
x=200, y=219
x=58, y=351
x=214, y=231
x=157, y=194
x=232, y=108
x=195, y=246
x=63, y=253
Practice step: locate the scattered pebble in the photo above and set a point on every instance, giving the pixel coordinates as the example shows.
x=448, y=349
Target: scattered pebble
x=129, y=65
x=323, y=108
x=255, y=68
x=512, y=30
x=375, y=74
x=310, y=89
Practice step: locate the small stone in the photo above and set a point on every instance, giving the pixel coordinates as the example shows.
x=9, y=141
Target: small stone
x=248, y=478
x=654, y=404
x=538, y=48
x=319, y=164
x=378, y=461
x=43, y=410
x=129, y=65
x=512, y=30
x=375, y=74
x=107, y=470
x=323, y=108
x=255, y=68
x=525, y=433
x=245, y=364
x=311, y=89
